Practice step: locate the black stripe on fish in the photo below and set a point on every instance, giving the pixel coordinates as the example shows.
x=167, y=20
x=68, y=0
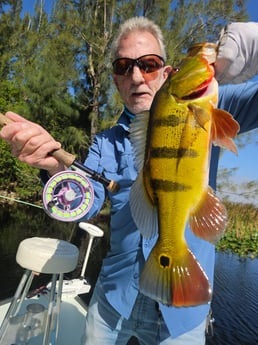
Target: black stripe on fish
x=169, y=186
x=169, y=121
x=169, y=152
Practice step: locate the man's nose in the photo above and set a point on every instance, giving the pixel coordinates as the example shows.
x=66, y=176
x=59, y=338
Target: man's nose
x=137, y=76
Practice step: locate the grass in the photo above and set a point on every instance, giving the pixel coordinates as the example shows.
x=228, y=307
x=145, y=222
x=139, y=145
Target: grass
x=241, y=235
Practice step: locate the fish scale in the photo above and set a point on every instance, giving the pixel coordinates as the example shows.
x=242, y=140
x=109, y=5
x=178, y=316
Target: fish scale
x=172, y=186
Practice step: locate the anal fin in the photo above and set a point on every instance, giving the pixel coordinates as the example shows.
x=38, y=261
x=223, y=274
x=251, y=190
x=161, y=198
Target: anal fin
x=208, y=219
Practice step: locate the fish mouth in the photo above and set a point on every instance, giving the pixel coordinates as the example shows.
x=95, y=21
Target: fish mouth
x=202, y=90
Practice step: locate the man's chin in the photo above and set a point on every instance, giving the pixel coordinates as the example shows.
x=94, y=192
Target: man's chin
x=139, y=108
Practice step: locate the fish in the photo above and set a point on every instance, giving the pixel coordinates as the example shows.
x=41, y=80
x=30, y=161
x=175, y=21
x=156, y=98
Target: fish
x=172, y=147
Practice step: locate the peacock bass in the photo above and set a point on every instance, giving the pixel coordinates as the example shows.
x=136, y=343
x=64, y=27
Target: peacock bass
x=172, y=145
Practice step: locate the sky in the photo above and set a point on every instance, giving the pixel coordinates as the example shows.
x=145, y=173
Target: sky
x=246, y=161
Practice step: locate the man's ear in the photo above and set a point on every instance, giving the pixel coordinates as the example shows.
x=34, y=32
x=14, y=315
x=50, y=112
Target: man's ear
x=167, y=70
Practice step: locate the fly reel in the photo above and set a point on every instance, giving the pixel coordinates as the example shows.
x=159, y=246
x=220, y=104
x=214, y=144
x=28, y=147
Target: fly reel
x=68, y=196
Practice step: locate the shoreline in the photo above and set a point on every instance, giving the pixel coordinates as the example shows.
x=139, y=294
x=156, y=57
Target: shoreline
x=240, y=237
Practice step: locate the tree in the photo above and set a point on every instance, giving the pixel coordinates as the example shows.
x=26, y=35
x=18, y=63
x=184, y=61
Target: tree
x=55, y=67
x=242, y=192
x=92, y=25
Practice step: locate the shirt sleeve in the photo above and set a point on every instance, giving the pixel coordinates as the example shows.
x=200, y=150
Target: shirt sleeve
x=237, y=59
x=241, y=100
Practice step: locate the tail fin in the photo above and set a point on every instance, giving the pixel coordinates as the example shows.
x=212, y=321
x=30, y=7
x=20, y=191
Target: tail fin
x=180, y=281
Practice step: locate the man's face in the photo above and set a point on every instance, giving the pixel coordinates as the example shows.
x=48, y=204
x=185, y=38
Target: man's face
x=136, y=88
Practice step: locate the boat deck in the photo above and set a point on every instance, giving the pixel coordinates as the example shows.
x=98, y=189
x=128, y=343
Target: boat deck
x=71, y=326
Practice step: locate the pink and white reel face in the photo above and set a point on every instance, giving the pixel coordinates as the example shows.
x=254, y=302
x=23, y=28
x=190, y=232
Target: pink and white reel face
x=68, y=196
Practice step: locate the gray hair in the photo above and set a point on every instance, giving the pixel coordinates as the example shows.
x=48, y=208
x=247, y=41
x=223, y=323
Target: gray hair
x=138, y=24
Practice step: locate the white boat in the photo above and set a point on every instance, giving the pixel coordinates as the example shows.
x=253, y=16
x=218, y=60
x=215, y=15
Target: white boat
x=71, y=325
x=27, y=323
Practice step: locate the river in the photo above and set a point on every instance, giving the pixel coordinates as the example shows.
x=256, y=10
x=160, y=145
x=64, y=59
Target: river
x=235, y=299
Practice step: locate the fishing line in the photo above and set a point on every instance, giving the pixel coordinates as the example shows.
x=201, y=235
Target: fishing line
x=20, y=201
x=42, y=208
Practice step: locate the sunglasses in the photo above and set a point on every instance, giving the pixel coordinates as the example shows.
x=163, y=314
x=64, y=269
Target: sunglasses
x=147, y=64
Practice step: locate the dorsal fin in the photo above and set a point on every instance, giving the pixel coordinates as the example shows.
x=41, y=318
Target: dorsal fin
x=138, y=137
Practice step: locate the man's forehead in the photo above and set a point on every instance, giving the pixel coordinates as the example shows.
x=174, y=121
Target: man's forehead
x=137, y=43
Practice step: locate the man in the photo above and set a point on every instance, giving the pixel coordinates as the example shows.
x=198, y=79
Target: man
x=118, y=310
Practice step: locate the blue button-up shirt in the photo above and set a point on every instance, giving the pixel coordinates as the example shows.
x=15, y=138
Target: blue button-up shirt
x=111, y=154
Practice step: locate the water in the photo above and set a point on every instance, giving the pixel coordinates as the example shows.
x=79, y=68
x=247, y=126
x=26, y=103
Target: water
x=235, y=301
x=17, y=223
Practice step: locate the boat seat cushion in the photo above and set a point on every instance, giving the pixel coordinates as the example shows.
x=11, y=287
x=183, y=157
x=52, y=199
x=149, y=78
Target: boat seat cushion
x=47, y=255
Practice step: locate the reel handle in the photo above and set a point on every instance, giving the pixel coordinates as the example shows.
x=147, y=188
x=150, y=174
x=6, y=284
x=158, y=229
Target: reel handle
x=69, y=159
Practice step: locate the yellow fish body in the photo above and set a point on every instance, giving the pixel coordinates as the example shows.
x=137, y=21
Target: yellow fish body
x=173, y=157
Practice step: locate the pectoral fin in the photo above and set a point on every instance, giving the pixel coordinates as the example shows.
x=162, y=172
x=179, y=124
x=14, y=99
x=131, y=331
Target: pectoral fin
x=200, y=114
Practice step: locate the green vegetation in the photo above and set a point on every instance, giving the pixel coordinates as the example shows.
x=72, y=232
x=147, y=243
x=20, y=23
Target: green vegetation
x=55, y=70
x=241, y=236
x=55, y=66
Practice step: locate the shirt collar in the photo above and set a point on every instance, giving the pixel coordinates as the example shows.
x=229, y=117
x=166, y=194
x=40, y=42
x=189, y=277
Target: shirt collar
x=129, y=114
x=125, y=119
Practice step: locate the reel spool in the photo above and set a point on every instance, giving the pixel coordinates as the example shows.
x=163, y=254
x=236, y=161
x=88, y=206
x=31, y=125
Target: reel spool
x=68, y=196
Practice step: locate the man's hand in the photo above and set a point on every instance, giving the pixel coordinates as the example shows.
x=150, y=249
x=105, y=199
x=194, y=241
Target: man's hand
x=31, y=143
x=237, y=59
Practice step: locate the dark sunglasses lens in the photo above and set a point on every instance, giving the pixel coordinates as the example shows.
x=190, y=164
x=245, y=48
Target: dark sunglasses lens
x=147, y=64
x=122, y=66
